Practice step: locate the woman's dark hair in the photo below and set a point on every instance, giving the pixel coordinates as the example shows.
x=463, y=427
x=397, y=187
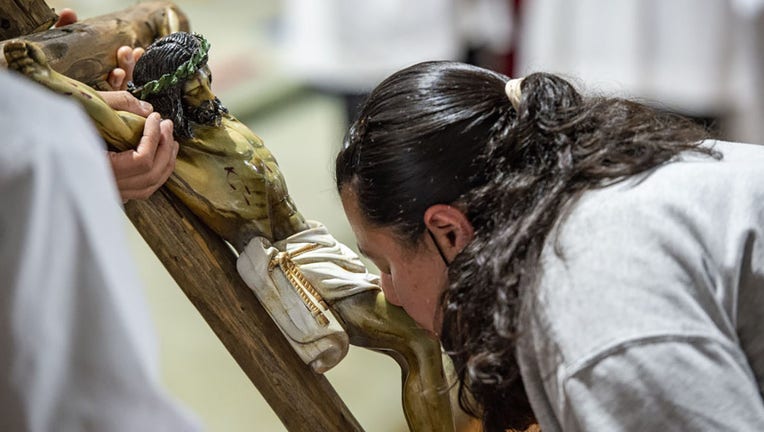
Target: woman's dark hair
x=446, y=133
x=164, y=56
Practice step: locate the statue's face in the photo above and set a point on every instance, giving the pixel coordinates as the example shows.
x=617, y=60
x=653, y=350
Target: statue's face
x=200, y=104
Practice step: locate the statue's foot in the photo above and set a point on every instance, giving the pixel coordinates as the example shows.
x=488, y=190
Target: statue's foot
x=28, y=59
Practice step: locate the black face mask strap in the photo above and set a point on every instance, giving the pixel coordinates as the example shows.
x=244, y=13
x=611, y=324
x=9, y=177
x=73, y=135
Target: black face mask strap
x=437, y=246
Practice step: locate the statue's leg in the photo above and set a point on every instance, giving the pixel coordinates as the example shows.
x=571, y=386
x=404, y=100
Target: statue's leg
x=119, y=128
x=372, y=322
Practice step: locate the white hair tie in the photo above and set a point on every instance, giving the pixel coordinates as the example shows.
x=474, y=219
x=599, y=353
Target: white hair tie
x=513, y=92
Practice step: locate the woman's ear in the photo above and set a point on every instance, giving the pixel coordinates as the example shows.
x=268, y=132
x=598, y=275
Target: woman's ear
x=450, y=229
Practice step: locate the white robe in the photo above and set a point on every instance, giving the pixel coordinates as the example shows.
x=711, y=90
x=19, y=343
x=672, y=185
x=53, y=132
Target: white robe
x=351, y=45
x=78, y=350
x=698, y=57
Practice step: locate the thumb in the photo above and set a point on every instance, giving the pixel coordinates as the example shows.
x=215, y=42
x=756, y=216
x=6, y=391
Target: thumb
x=124, y=101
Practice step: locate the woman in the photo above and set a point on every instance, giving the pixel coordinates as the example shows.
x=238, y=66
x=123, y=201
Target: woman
x=584, y=259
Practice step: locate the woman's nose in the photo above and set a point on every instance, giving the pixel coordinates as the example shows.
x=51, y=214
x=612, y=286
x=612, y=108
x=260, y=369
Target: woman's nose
x=386, y=283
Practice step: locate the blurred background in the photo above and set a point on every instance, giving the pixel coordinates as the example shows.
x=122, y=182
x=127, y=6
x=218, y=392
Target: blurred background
x=295, y=72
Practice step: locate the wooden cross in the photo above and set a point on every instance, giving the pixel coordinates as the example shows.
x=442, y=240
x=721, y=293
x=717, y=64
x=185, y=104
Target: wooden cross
x=302, y=399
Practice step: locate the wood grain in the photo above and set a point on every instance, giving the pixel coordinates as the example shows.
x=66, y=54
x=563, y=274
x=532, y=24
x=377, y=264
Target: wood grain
x=86, y=51
x=204, y=267
x=21, y=17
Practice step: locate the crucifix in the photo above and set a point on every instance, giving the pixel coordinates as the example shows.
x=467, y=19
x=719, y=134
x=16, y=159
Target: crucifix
x=188, y=224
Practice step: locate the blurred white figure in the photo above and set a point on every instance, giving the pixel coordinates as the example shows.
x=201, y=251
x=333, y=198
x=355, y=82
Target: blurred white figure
x=746, y=120
x=78, y=351
x=349, y=46
x=698, y=57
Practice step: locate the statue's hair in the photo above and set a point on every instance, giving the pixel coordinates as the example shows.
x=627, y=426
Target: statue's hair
x=446, y=133
x=165, y=56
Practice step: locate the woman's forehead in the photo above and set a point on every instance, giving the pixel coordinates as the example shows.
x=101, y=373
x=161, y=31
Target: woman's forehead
x=354, y=214
x=368, y=235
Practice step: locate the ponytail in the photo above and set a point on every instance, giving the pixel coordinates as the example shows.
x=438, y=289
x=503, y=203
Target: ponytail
x=447, y=133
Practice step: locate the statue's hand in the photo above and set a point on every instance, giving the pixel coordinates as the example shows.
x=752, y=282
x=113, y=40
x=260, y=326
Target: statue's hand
x=291, y=279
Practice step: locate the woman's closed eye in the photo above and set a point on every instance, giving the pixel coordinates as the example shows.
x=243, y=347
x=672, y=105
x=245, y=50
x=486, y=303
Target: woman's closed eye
x=383, y=268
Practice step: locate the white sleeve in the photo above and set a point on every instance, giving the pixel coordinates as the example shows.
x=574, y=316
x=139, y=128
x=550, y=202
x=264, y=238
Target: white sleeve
x=666, y=384
x=78, y=350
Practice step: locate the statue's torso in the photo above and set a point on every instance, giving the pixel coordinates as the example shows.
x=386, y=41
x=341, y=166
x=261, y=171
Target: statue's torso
x=227, y=174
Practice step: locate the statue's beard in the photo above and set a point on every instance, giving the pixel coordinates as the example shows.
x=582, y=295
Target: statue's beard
x=208, y=112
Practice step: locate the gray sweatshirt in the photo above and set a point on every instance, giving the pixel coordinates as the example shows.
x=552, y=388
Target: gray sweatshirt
x=649, y=313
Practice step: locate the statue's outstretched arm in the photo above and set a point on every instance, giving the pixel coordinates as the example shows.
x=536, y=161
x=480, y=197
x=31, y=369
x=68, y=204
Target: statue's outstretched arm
x=119, y=128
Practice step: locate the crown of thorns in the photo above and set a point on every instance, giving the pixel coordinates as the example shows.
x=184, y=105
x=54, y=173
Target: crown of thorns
x=183, y=71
